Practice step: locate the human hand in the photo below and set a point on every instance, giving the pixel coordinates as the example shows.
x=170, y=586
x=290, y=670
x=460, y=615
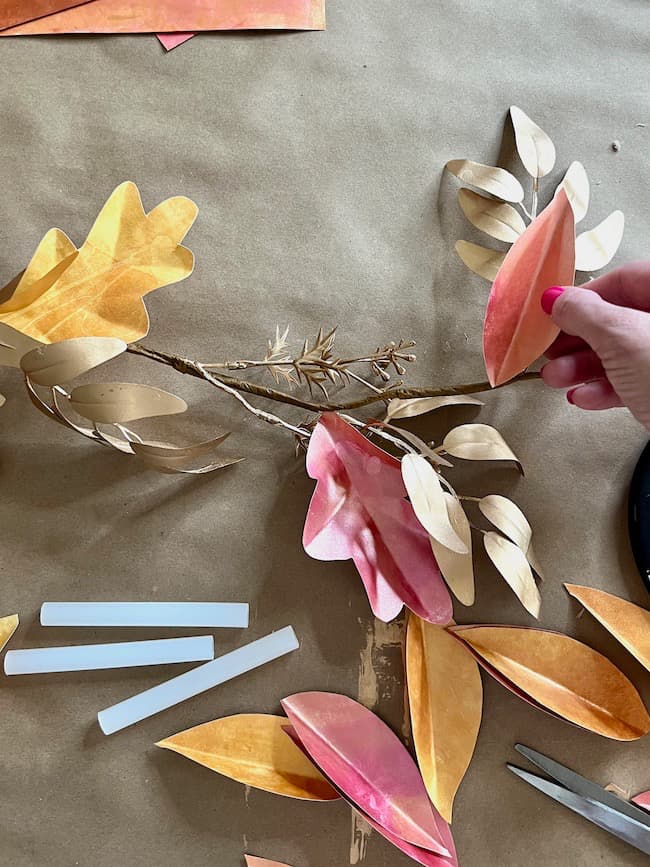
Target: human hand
x=603, y=352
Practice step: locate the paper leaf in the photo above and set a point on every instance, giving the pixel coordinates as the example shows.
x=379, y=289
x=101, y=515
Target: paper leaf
x=167, y=458
x=254, y=750
x=516, y=329
x=480, y=260
x=359, y=511
x=511, y=521
x=628, y=623
x=496, y=219
x=8, y=625
x=446, y=701
x=478, y=442
x=457, y=569
x=98, y=291
x=427, y=498
x=421, y=856
x=3, y=400
x=111, y=402
x=642, y=800
x=535, y=148
x=498, y=182
x=597, y=247
x=13, y=345
x=54, y=363
x=420, y=405
x=511, y=562
x=576, y=185
x=252, y=861
x=53, y=255
x=561, y=675
x=368, y=763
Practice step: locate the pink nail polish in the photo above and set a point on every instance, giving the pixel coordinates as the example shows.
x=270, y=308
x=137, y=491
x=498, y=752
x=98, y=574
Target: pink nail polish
x=549, y=298
x=569, y=396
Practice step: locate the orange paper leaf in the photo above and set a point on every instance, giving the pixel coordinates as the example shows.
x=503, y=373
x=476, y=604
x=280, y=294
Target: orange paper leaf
x=627, y=622
x=8, y=625
x=563, y=676
x=446, y=700
x=516, y=329
x=254, y=750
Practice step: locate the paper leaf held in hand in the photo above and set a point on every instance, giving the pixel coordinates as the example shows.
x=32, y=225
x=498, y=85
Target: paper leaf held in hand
x=254, y=750
x=446, y=700
x=561, y=675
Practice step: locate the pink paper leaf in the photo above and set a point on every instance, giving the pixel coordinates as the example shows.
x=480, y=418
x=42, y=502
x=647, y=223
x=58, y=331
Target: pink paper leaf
x=253, y=861
x=516, y=329
x=359, y=511
x=369, y=764
x=642, y=800
x=173, y=40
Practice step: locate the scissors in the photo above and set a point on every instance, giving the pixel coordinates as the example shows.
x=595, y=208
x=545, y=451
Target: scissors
x=621, y=818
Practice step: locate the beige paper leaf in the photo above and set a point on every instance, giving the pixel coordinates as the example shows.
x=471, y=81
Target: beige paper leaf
x=420, y=405
x=511, y=521
x=8, y=625
x=428, y=501
x=496, y=219
x=535, y=148
x=598, y=246
x=511, y=562
x=111, y=402
x=54, y=363
x=457, y=569
x=167, y=458
x=13, y=345
x=576, y=185
x=478, y=442
x=491, y=179
x=480, y=260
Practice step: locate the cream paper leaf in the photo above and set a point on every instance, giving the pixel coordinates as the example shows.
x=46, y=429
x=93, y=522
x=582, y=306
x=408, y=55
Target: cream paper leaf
x=497, y=219
x=480, y=260
x=535, y=148
x=498, y=182
x=598, y=246
x=478, y=442
x=114, y=402
x=511, y=562
x=413, y=407
x=54, y=363
x=457, y=569
x=576, y=185
x=511, y=521
x=428, y=501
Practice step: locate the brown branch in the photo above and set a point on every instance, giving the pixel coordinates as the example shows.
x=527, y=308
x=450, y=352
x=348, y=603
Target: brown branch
x=192, y=368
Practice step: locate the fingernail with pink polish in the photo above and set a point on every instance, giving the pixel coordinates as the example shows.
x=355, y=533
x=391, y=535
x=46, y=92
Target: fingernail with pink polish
x=569, y=396
x=549, y=298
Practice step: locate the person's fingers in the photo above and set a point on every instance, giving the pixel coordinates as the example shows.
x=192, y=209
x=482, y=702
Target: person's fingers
x=572, y=369
x=628, y=286
x=565, y=344
x=595, y=395
x=582, y=313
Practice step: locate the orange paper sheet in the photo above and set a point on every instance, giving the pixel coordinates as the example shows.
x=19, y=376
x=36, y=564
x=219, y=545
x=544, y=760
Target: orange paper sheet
x=169, y=16
x=14, y=12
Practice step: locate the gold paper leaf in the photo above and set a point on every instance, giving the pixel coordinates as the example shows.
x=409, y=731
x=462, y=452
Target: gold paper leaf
x=426, y=496
x=478, y=442
x=576, y=185
x=111, y=402
x=13, y=345
x=511, y=562
x=3, y=400
x=54, y=363
x=167, y=458
x=496, y=219
x=480, y=260
x=446, y=701
x=52, y=256
x=598, y=246
x=8, y=625
x=498, y=182
x=420, y=405
x=508, y=517
x=535, y=148
x=254, y=750
x=457, y=569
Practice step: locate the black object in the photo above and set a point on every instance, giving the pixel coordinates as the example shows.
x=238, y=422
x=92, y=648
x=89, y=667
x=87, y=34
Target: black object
x=638, y=515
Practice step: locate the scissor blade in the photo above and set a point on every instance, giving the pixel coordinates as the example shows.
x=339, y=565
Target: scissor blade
x=605, y=817
x=581, y=786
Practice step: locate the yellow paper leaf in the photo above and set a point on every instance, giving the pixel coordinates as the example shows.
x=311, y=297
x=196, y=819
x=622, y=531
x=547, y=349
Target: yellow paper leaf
x=8, y=625
x=491, y=179
x=535, y=148
x=98, y=291
x=427, y=498
x=508, y=517
x=480, y=260
x=496, y=219
x=446, y=700
x=52, y=256
x=254, y=750
x=597, y=247
x=457, y=569
x=13, y=345
x=167, y=458
x=420, y=405
x=511, y=562
x=478, y=442
x=576, y=185
x=628, y=623
x=564, y=676
x=54, y=363
x=111, y=402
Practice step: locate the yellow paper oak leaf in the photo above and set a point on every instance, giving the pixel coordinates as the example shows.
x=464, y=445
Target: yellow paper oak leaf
x=98, y=290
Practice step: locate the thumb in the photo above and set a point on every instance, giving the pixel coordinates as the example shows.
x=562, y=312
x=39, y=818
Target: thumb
x=582, y=313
